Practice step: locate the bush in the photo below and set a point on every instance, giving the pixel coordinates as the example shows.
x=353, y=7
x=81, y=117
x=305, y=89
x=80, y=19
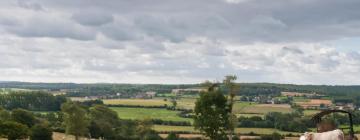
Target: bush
x=13, y=130
x=172, y=136
x=41, y=132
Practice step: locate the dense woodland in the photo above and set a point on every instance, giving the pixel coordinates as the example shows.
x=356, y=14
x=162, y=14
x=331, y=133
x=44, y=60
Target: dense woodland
x=31, y=100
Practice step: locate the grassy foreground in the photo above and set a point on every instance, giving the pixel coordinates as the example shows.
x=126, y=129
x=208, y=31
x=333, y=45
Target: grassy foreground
x=237, y=130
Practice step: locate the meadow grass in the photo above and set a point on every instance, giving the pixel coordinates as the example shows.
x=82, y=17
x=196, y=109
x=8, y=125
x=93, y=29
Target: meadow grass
x=240, y=106
x=266, y=108
x=250, y=115
x=152, y=113
x=310, y=112
x=134, y=102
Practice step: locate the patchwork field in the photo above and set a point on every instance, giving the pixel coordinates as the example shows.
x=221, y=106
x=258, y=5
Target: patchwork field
x=134, y=102
x=153, y=113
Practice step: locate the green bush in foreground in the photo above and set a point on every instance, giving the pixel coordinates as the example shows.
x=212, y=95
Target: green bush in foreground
x=41, y=132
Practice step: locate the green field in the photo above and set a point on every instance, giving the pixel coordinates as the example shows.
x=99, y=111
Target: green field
x=254, y=108
x=153, y=113
x=310, y=112
x=134, y=102
x=240, y=106
x=237, y=130
x=250, y=115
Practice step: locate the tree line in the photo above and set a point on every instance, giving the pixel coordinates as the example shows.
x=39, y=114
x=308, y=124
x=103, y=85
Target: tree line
x=31, y=100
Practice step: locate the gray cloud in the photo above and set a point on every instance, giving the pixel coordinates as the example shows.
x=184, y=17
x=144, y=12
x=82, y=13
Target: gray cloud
x=53, y=28
x=177, y=41
x=96, y=18
x=29, y=5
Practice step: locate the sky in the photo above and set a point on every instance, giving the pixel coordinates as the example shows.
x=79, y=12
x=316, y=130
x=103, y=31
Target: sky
x=180, y=41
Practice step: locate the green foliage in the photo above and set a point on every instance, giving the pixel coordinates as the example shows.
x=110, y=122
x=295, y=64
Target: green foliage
x=283, y=121
x=103, y=120
x=41, y=132
x=152, y=135
x=24, y=117
x=75, y=119
x=274, y=136
x=31, y=100
x=55, y=120
x=172, y=136
x=4, y=115
x=13, y=130
x=211, y=114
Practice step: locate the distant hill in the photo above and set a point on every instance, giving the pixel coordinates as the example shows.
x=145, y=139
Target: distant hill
x=245, y=88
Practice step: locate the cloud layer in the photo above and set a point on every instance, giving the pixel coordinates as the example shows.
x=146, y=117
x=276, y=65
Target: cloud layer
x=173, y=41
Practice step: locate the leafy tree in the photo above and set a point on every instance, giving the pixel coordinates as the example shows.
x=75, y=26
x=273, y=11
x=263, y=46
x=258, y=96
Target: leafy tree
x=13, y=130
x=24, y=117
x=212, y=114
x=152, y=135
x=103, y=120
x=144, y=127
x=75, y=119
x=4, y=115
x=127, y=130
x=174, y=103
x=41, y=132
x=172, y=136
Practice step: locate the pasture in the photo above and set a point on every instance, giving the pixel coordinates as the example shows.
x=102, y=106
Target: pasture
x=310, y=112
x=135, y=102
x=240, y=106
x=153, y=113
x=254, y=108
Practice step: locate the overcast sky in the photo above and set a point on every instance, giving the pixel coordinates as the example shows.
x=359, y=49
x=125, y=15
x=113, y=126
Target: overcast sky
x=180, y=41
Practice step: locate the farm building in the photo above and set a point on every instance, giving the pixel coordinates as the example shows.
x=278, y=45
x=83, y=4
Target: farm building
x=150, y=94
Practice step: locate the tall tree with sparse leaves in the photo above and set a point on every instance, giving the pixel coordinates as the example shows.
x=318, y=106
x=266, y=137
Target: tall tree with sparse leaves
x=229, y=83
